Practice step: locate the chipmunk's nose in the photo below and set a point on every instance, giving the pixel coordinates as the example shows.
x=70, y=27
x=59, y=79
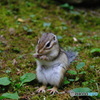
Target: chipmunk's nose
x=40, y=51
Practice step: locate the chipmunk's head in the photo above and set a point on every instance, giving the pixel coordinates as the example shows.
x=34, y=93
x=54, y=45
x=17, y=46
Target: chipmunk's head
x=47, y=43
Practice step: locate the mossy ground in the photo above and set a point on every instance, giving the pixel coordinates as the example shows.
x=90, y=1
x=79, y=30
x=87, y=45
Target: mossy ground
x=21, y=22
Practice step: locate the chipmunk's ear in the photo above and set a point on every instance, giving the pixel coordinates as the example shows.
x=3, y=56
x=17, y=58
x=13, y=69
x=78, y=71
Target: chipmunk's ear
x=55, y=38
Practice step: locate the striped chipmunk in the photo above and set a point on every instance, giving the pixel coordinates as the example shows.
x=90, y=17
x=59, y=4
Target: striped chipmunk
x=52, y=62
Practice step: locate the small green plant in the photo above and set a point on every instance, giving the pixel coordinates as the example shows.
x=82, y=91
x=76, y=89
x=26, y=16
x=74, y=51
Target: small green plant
x=27, y=29
x=66, y=23
x=76, y=73
x=66, y=81
x=4, y=81
x=85, y=89
x=94, y=50
x=45, y=24
x=72, y=72
x=66, y=5
x=28, y=77
x=80, y=65
x=10, y=96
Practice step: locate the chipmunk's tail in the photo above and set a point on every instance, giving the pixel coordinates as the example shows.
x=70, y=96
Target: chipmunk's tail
x=71, y=55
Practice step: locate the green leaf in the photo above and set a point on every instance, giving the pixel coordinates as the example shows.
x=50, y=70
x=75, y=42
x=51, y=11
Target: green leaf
x=1, y=97
x=29, y=30
x=66, y=5
x=46, y=24
x=1, y=51
x=77, y=78
x=81, y=89
x=25, y=28
x=98, y=96
x=32, y=16
x=59, y=37
x=66, y=82
x=8, y=71
x=82, y=72
x=80, y=33
x=16, y=50
x=75, y=12
x=71, y=80
x=28, y=77
x=10, y=96
x=91, y=66
x=4, y=81
x=18, y=85
x=85, y=83
x=64, y=27
x=71, y=7
x=80, y=65
x=73, y=72
x=95, y=50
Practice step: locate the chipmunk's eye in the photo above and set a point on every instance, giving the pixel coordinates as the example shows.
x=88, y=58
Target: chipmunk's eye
x=48, y=44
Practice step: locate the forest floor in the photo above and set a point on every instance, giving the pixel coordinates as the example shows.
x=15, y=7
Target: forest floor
x=78, y=28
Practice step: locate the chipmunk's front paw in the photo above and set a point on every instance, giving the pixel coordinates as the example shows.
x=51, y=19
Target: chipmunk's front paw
x=36, y=55
x=43, y=57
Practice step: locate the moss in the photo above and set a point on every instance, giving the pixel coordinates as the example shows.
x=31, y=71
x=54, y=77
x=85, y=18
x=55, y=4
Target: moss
x=20, y=44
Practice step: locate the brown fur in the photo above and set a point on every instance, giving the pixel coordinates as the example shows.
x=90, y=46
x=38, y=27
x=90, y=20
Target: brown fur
x=45, y=37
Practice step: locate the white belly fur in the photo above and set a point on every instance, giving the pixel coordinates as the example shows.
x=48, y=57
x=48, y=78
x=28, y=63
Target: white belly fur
x=51, y=73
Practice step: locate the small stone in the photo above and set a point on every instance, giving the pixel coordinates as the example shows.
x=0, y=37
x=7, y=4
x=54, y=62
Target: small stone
x=11, y=31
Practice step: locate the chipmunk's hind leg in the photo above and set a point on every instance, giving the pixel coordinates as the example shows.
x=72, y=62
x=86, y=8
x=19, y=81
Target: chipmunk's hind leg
x=41, y=89
x=53, y=90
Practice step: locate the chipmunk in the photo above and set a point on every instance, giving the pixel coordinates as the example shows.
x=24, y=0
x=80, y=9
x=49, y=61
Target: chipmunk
x=52, y=62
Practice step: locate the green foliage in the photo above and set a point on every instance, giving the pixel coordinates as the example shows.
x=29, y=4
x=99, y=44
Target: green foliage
x=85, y=83
x=8, y=71
x=66, y=5
x=64, y=27
x=4, y=81
x=80, y=65
x=10, y=96
x=66, y=81
x=81, y=89
x=27, y=29
x=59, y=37
x=1, y=51
x=95, y=50
x=77, y=78
x=28, y=77
x=82, y=72
x=16, y=50
x=37, y=17
x=32, y=16
x=98, y=96
x=76, y=73
x=28, y=4
x=91, y=66
x=71, y=80
x=72, y=72
x=46, y=24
